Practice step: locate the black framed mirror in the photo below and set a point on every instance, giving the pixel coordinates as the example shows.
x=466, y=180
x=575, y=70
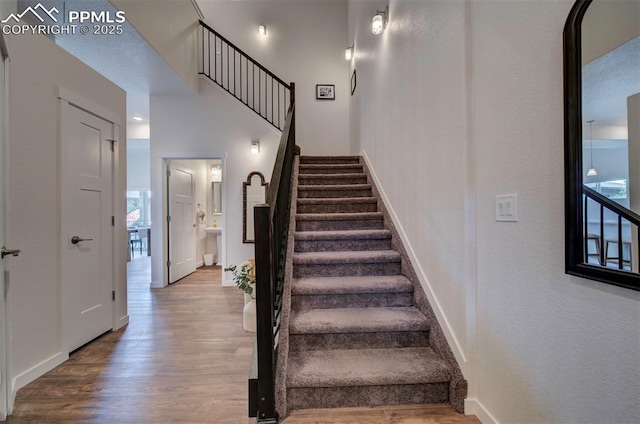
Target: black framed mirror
x=602, y=141
x=254, y=192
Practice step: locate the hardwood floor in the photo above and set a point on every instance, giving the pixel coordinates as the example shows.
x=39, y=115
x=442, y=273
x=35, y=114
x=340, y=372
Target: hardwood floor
x=183, y=358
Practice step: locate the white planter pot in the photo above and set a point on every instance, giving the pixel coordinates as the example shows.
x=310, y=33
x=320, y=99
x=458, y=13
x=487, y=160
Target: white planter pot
x=249, y=316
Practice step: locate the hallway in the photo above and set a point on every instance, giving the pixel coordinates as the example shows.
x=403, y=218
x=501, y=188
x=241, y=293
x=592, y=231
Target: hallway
x=183, y=358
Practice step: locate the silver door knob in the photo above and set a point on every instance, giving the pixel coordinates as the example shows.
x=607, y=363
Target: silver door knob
x=5, y=252
x=76, y=239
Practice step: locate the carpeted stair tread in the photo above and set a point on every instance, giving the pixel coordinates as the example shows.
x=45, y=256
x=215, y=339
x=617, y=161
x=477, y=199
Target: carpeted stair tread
x=331, y=179
x=339, y=216
x=336, y=187
x=343, y=235
x=366, y=367
x=335, y=168
x=348, y=257
x=329, y=160
x=335, y=200
x=351, y=285
x=357, y=320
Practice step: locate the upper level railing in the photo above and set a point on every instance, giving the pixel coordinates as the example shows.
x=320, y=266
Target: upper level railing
x=244, y=78
x=271, y=222
x=613, y=248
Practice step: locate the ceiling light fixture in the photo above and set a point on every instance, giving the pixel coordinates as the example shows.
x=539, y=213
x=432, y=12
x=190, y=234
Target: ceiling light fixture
x=380, y=21
x=137, y=118
x=592, y=171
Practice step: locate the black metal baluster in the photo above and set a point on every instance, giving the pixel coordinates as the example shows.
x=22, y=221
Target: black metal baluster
x=601, y=259
x=620, y=246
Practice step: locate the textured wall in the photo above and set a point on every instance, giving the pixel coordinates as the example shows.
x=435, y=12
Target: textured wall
x=408, y=113
x=467, y=105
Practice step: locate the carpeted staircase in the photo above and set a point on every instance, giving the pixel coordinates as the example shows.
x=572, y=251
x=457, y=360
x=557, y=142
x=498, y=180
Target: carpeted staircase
x=356, y=337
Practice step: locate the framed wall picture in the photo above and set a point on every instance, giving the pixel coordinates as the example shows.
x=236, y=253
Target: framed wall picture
x=353, y=82
x=325, y=92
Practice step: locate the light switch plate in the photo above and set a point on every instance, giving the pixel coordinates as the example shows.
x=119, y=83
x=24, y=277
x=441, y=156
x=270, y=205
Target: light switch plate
x=507, y=208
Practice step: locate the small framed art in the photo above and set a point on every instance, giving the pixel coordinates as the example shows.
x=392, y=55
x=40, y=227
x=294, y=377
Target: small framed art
x=325, y=92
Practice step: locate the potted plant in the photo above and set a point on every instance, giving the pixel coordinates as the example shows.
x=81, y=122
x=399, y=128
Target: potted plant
x=244, y=276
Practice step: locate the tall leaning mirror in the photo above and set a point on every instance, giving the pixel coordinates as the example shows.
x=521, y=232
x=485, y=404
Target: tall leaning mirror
x=602, y=141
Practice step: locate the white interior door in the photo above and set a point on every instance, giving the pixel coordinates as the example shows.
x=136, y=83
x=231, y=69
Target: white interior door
x=87, y=226
x=4, y=317
x=182, y=222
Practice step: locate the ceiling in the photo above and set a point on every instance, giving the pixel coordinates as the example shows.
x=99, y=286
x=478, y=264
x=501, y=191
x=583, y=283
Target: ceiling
x=608, y=81
x=125, y=59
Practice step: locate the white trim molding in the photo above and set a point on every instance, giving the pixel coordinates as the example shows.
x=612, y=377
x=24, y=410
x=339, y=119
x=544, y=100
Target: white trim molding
x=475, y=407
x=36, y=371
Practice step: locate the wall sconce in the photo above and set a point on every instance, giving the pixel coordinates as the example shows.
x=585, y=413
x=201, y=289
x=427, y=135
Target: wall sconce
x=380, y=21
x=255, y=147
x=216, y=174
x=262, y=30
x=348, y=53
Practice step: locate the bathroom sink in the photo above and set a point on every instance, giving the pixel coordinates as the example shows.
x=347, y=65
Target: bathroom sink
x=213, y=230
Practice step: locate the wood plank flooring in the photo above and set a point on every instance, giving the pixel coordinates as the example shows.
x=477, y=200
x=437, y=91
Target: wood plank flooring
x=183, y=358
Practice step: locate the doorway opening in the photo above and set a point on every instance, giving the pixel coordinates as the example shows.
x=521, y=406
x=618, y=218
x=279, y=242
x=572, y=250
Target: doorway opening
x=195, y=216
x=139, y=211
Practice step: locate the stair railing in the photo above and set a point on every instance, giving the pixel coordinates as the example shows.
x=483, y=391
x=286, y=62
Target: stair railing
x=244, y=78
x=271, y=221
x=620, y=213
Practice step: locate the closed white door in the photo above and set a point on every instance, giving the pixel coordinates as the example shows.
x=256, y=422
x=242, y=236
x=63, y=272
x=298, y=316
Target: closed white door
x=182, y=222
x=4, y=368
x=87, y=226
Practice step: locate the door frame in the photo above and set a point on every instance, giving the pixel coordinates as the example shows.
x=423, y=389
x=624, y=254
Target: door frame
x=159, y=212
x=68, y=98
x=6, y=396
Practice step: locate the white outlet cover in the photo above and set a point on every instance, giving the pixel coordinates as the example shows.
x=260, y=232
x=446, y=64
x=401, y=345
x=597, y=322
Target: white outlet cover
x=507, y=208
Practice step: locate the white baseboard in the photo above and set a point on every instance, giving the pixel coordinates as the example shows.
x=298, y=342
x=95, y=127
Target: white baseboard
x=156, y=285
x=122, y=322
x=455, y=345
x=199, y=264
x=36, y=371
x=474, y=407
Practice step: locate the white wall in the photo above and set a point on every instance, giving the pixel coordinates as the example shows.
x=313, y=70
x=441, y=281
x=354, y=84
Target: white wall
x=37, y=68
x=210, y=125
x=171, y=28
x=469, y=106
x=138, y=168
x=412, y=129
x=305, y=44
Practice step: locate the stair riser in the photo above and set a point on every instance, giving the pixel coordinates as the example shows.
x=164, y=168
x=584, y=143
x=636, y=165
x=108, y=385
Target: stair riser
x=305, y=193
x=339, y=397
x=337, y=208
x=395, y=339
x=325, y=170
x=328, y=160
x=355, y=179
x=366, y=300
x=341, y=245
x=337, y=270
x=351, y=224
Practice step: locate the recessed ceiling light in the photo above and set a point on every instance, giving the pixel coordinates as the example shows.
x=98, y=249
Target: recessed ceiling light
x=137, y=118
